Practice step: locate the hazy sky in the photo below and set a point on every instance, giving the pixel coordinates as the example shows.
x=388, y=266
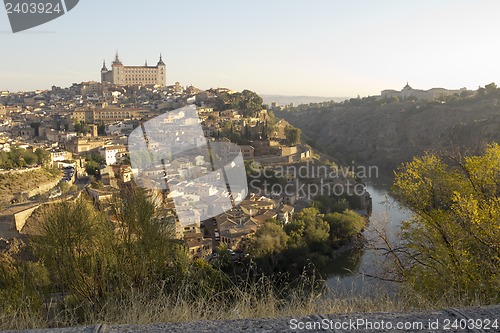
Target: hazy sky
x=314, y=47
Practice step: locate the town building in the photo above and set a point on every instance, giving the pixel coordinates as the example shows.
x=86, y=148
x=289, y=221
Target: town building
x=82, y=145
x=106, y=115
x=113, y=154
x=59, y=155
x=91, y=88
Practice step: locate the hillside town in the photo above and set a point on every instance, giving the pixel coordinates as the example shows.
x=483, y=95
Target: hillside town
x=76, y=140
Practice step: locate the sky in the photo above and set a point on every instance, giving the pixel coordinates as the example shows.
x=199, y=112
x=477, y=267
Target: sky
x=308, y=47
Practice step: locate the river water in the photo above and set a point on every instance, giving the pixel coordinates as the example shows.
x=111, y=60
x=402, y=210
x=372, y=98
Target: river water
x=351, y=273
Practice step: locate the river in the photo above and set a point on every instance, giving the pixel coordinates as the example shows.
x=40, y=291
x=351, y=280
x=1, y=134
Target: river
x=350, y=273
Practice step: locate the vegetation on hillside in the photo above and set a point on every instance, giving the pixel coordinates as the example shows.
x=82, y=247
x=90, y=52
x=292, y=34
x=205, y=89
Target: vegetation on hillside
x=20, y=158
x=82, y=128
x=292, y=135
x=86, y=267
x=311, y=237
x=248, y=102
x=243, y=135
x=13, y=185
x=387, y=132
x=451, y=246
x=95, y=264
x=94, y=161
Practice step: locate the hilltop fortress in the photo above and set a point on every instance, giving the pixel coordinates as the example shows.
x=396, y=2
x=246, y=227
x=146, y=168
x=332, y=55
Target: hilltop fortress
x=121, y=75
x=429, y=95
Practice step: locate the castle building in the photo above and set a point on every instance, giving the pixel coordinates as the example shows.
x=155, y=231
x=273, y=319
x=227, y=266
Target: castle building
x=121, y=75
x=429, y=95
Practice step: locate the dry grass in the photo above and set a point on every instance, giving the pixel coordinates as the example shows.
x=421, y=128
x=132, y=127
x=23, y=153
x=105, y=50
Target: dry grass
x=255, y=304
x=258, y=301
x=21, y=182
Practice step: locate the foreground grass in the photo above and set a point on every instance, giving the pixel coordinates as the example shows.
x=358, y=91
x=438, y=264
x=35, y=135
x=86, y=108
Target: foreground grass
x=258, y=301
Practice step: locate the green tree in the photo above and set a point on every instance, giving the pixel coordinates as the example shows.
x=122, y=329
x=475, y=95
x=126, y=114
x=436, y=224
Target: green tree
x=450, y=246
x=268, y=244
x=344, y=225
x=93, y=163
x=250, y=103
x=101, y=129
x=148, y=250
x=92, y=168
x=336, y=204
x=292, y=135
x=247, y=102
x=75, y=247
x=490, y=88
x=481, y=92
x=269, y=239
x=308, y=226
x=43, y=157
x=22, y=283
x=82, y=127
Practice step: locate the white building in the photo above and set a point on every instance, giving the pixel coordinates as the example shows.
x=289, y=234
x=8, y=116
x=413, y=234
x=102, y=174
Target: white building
x=113, y=154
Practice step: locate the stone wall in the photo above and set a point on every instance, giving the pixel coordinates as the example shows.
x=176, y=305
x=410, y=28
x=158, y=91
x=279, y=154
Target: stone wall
x=21, y=217
x=43, y=188
x=19, y=171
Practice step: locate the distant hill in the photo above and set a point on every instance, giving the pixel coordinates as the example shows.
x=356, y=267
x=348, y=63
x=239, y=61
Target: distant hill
x=297, y=100
x=375, y=133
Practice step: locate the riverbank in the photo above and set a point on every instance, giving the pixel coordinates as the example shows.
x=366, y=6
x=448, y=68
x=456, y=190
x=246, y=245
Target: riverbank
x=350, y=270
x=356, y=243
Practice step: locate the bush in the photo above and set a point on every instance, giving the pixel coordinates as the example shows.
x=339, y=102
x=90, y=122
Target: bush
x=344, y=225
x=450, y=246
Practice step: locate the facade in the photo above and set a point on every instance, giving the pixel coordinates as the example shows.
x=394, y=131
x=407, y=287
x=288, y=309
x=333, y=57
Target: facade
x=91, y=88
x=121, y=75
x=59, y=155
x=58, y=136
x=106, y=115
x=429, y=95
x=112, y=154
x=25, y=132
x=83, y=145
x=247, y=152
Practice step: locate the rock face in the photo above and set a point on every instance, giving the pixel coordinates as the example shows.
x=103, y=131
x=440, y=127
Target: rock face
x=388, y=134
